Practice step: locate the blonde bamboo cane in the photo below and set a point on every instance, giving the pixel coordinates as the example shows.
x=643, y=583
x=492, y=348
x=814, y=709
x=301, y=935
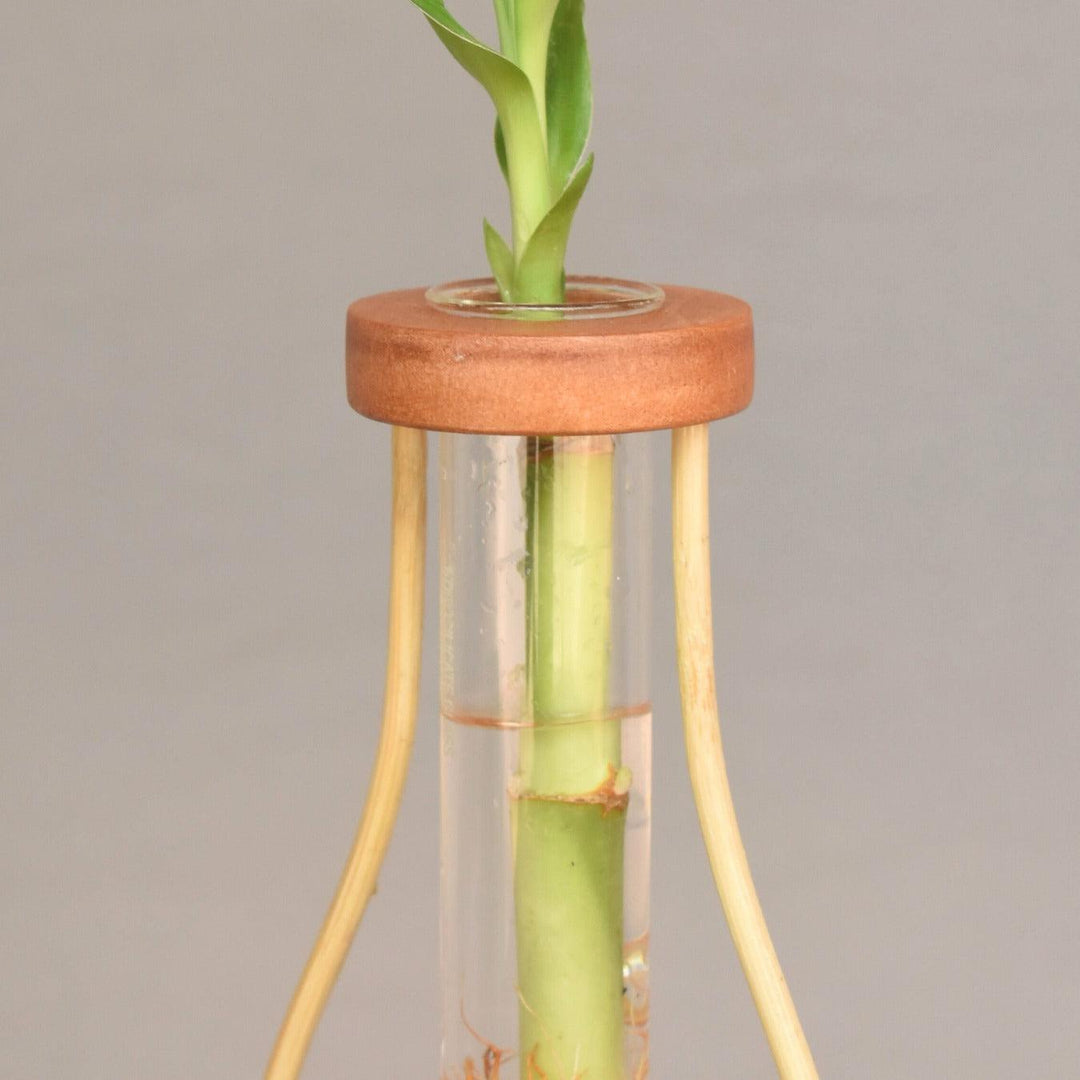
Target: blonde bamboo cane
x=704, y=750
x=358, y=880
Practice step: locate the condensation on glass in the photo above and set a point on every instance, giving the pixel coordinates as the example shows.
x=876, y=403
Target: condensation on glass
x=546, y=733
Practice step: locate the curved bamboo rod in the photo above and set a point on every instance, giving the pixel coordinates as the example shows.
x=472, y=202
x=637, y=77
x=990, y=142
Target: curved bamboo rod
x=358, y=879
x=705, y=754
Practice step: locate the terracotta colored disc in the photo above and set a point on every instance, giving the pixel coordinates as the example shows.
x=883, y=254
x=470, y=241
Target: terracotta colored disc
x=688, y=361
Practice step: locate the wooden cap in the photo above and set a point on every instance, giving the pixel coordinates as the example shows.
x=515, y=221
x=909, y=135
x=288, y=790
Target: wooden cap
x=687, y=361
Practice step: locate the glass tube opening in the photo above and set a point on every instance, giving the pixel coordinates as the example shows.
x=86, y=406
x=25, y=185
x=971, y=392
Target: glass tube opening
x=586, y=298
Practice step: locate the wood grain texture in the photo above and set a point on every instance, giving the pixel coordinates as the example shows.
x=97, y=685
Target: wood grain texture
x=689, y=361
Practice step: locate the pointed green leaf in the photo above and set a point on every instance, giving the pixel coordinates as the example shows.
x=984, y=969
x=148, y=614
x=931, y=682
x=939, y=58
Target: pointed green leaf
x=569, y=92
x=501, y=258
x=540, y=268
x=512, y=93
x=568, y=89
x=532, y=26
x=500, y=77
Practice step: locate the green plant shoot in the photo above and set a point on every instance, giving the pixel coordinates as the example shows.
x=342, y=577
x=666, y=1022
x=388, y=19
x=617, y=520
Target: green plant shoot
x=570, y=793
x=539, y=83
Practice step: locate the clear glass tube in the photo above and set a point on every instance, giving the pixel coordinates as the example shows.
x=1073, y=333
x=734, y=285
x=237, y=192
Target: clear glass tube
x=546, y=756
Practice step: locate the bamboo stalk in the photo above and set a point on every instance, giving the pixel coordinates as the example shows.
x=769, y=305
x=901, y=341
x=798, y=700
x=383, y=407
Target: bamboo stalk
x=357, y=884
x=571, y=798
x=704, y=751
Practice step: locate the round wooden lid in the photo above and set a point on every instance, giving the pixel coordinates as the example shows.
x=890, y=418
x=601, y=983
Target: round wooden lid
x=687, y=361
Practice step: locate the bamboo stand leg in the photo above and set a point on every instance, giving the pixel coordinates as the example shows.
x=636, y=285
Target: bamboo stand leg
x=708, y=775
x=357, y=882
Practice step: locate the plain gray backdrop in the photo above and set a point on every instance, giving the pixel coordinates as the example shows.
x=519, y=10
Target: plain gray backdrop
x=194, y=533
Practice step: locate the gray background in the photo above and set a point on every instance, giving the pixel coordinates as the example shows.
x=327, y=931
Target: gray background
x=194, y=525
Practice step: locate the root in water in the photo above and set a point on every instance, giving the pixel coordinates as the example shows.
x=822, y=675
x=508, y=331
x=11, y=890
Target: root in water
x=493, y=1058
x=532, y=1070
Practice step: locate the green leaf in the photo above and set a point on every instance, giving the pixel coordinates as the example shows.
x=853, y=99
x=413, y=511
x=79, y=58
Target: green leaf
x=506, y=16
x=501, y=258
x=569, y=96
x=532, y=26
x=511, y=91
x=569, y=92
x=540, y=268
x=499, y=76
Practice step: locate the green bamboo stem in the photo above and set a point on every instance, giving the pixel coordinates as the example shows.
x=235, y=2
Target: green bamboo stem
x=571, y=794
x=571, y=791
x=569, y=926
